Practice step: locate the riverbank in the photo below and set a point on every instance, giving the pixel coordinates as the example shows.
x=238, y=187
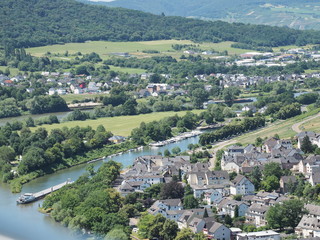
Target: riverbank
x=108, y=150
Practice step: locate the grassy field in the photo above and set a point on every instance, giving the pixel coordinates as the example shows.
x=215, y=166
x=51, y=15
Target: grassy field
x=312, y=125
x=13, y=71
x=105, y=48
x=283, y=128
x=127, y=70
x=121, y=125
x=71, y=97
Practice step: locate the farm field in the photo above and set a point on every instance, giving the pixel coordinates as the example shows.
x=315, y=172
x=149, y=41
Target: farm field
x=121, y=125
x=105, y=48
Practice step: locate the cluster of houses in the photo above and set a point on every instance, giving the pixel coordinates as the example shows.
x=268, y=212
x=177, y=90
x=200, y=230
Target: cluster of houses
x=276, y=58
x=215, y=189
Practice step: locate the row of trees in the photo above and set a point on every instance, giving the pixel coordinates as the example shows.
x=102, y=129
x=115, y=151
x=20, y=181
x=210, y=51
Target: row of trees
x=233, y=129
x=162, y=130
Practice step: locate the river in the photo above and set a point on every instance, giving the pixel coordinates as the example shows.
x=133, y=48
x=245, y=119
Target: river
x=24, y=222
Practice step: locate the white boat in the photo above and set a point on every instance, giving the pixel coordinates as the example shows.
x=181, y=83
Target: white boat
x=26, y=198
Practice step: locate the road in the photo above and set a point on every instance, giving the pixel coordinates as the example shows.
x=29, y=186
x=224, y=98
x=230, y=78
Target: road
x=296, y=126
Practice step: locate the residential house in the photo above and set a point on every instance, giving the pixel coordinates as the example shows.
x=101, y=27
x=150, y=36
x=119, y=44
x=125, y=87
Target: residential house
x=314, y=178
x=241, y=185
x=229, y=207
x=313, y=137
x=166, y=208
x=215, y=230
x=309, y=225
x=256, y=215
x=117, y=139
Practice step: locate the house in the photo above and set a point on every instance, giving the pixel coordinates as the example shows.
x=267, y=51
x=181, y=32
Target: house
x=313, y=137
x=309, y=165
x=249, y=108
x=256, y=215
x=166, y=208
x=287, y=183
x=314, y=178
x=262, y=235
x=117, y=139
x=78, y=90
x=309, y=225
x=216, y=230
x=214, y=196
x=229, y=207
x=241, y=185
x=234, y=150
x=52, y=91
x=127, y=187
x=270, y=143
x=201, y=178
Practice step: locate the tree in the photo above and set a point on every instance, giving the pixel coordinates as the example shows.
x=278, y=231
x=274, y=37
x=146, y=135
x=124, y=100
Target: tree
x=255, y=177
x=171, y=190
x=190, y=202
x=272, y=169
x=293, y=212
x=236, y=211
x=169, y=230
x=306, y=145
x=287, y=214
x=270, y=183
x=198, y=96
x=176, y=150
x=7, y=154
x=166, y=153
x=185, y=234
x=30, y=122
x=145, y=222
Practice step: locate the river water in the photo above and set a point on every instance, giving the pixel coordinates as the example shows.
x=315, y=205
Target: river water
x=24, y=222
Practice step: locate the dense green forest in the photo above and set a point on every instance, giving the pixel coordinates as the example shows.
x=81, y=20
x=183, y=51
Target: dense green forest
x=42, y=22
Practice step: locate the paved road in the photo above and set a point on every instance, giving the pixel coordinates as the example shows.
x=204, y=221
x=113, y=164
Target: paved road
x=296, y=126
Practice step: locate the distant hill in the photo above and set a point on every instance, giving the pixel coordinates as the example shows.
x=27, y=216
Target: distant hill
x=299, y=14
x=42, y=22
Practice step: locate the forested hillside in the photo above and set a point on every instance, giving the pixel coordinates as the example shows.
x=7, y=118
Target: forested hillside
x=299, y=14
x=42, y=22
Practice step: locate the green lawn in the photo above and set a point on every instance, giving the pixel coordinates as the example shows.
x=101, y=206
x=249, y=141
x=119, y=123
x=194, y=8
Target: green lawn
x=121, y=125
x=70, y=97
x=127, y=70
x=13, y=71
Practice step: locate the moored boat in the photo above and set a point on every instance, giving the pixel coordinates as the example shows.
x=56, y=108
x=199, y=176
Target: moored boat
x=26, y=198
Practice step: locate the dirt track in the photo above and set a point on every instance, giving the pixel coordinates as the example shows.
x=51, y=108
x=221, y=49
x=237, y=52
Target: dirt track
x=295, y=127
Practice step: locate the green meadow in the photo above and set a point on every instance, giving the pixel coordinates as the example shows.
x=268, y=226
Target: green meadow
x=105, y=48
x=121, y=125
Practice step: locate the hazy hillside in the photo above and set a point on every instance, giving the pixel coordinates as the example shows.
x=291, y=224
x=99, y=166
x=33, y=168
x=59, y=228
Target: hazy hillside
x=300, y=14
x=42, y=22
